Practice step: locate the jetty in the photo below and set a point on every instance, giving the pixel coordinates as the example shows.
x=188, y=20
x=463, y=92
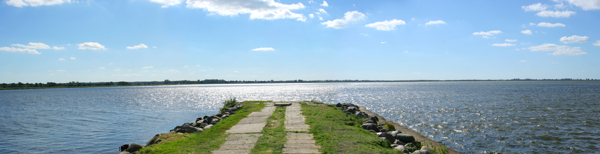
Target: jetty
x=290, y=127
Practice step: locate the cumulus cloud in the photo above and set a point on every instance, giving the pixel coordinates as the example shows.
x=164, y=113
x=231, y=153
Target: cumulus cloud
x=528, y=32
x=503, y=44
x=383, y=42
x=35, y=3
x=147, y=67
x=586, y=4
x=555, y=14
x=263, y=49
x=597, y=43
x=73, y=58
x=33, y=45
x=22, y=50
x=320, y=18
x=264, y=9
x=141, y=45
x=559, y=50
x=545, y=24
x=386, y=25
x=322, y=10
x=437, y=22
x=349, y=17
x=311, y=15
x=574, y=39
x=488, y=33
x=167, y=3
x=91, y=46
x=511, y=40
x=535, y=7
x=325, y=4
x=58, y=48
x=61, y=59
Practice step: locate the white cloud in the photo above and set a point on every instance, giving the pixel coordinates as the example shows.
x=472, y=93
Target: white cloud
x=535, y=7
x=311, y=15
x=58, y=48
x=33, y=45
x=532, y=24
x=503, y=44
x=511, y=40
x=147, y=67
x=545, y=24
x=61, y=70
x=186, y=66
x=559, y=50
x=325, y=4
x=154, y=47
x=586, y=4
x=264, y=9
x=167, y=3
x=349, y=17
x=437, y=22
x=555, y=14
x=61, y=59
x=597, y=43
x=320, y=18
x=125, y=75
x=141, y=45
x=386, y=25
x=91, y=46
x=523, y=61
x=101, y=68
x=322, y=10
x=263, y=49
x=528, y=32
x=574, y=39
x=13, y=49
x=488, y=33
x=311, y=1
x=117, y=69
x=412, y=19
x=35, y=3
x=72, y=58
x=383, y=42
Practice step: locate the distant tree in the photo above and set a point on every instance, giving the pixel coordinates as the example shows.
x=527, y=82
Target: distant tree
x=122, y=83
x=167, y=81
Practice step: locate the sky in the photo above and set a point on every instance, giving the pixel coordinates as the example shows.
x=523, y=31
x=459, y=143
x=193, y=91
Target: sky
x=153, y=40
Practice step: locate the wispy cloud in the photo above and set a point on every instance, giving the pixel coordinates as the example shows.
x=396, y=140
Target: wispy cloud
x=141, y=45
x=91, y=46
x=349, y=18
x=386, y=25
x=263, y=49
x=437, y=22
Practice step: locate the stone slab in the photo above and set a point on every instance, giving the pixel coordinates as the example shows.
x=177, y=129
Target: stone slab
x=297, y=150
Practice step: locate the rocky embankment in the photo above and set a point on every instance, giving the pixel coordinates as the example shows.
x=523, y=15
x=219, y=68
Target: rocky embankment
x=201, y=124
x=398, y=140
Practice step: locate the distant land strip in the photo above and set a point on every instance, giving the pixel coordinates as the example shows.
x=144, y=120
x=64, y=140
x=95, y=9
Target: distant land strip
x=77, y=84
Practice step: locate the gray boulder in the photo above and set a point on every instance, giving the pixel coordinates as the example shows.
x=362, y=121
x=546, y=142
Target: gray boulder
x=124, y=152
x=387, y=136
x=153, y=140
x=426, y=150
x=406, y=138
x=361, y=115
x=134, y=148
x=402, y=148
x=369, y=126
x=411, y=147
x=207, y=127
x=399, y=142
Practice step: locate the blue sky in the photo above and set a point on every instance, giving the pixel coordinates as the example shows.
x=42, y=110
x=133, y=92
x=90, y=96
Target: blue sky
x=144, y=40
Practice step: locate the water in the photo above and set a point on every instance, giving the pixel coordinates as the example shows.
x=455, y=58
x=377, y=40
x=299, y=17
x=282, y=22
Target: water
x=470, y=117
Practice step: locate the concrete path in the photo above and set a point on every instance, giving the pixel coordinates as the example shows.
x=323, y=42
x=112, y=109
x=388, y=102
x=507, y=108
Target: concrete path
x=245, y=133
x=298, y=140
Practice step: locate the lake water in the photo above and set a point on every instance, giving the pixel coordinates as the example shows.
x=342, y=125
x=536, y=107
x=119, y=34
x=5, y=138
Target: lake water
x=470, y=117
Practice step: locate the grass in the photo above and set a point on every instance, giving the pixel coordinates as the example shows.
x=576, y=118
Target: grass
x=436, y=149
x=337, y=132
x=207, y=141
x=228, y=103
x=274, y=134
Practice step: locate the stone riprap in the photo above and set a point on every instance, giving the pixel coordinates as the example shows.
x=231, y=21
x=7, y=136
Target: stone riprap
x=298, y=140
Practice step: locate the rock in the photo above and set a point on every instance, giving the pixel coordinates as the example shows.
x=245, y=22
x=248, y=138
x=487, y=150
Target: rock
x=402, y=148
x=372, y=131
x=370, y=121
x=383, y=130
x=394, y=132
x=124, y=152
x=399, y=142
x=153, y=140
x=374, y=118
x=351, y=109
x=411, y=147
x=394, y=145
x=215, y=120
x=419, y=152
x=134, y=148
x=406, y=138
x=199, y=118
x=123, y=147
x=189, y=129
x=199, y=121
x=361, y=115
x=338, y=105
x=207, y=127
x=426, y=150
x=369, y=126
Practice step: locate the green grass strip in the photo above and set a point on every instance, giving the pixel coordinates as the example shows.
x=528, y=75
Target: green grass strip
x=274, y=134
x=337, y=132
x=207, y=141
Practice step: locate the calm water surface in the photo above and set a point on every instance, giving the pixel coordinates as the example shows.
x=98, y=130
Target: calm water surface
x=470, y=117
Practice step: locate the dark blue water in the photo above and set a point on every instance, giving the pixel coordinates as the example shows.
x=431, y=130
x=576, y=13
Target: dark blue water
x=470, y=117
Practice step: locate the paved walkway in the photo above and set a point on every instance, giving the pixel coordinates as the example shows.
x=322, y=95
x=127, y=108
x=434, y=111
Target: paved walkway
x=246, y=132
x=298, y=140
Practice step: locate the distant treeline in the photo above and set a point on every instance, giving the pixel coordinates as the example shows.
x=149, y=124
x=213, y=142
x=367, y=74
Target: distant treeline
x=74, y=84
